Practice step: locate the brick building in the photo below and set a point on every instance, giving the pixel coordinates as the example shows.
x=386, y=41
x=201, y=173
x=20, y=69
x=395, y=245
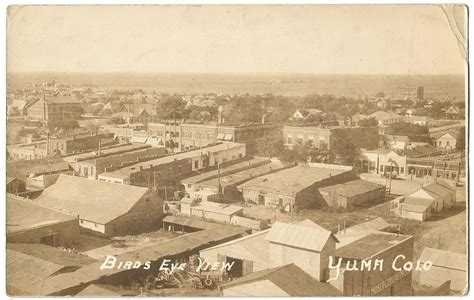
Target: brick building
x=54, y=109
x=319, y=137
x=170, y=169
x=186, y=136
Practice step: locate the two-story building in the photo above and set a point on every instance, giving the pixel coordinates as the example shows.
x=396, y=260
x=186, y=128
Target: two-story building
x=54, y=109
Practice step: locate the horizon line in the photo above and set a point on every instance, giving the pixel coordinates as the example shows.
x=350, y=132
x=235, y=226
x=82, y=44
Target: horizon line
x=241, y=73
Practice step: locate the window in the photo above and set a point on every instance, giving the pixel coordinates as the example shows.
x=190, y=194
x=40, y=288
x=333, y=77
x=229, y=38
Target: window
x=299, y=141
x=290, y=140
x=439, y=143
x=196, y=164
x=381, y=168
x=402, y=170
x=447, y=143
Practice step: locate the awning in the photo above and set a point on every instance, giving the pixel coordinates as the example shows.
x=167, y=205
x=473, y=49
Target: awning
x=220, y=136
x=228, y=137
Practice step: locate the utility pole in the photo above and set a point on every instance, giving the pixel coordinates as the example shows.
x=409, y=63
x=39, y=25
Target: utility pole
x=219, y=187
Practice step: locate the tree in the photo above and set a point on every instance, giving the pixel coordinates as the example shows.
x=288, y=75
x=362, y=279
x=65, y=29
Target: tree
x=271, y=145
x=368, y=122
x=409, y=129
x=461, y=139
x=345, y=152
x=380, y=95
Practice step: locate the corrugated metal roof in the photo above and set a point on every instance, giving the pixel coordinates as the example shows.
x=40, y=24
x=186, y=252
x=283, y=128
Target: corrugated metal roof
x=306, y=236
x=445, y=259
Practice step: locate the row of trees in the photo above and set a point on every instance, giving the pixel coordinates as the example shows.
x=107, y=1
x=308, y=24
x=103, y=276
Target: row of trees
x=343, y=152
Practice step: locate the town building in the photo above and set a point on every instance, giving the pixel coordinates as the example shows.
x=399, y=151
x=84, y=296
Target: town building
x=22, y=169
x=295, y=188
x=306, y=244
x=446, y=140
x=103, y=208
x=396, y=142
x=54, y=109
x=420, y=205
x=79, y=143
x=353, y=193
x=170, y=169
x=30, y=223
x=29, y=266
x=393, y=251
x=225, y=180
x=447, y=169
x=304, y=114
x=90, y=165
x=386, y=118
x=452, y=112
x=418, y=120
x=28, y=151
x=384, y=161
x=409, y=93
x=15, y=185
x=321, y=137
x=186, y=136
x=446, y=265
x=143, y=113
x=282, y=281
x=178, y=248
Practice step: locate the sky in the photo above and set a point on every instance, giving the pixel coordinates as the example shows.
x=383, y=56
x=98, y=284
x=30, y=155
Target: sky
x=342, y=39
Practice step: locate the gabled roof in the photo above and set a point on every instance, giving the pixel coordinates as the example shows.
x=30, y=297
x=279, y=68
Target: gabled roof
x=29, y=265
x=307, y=235
x=353, y=188
x=445, y=134
x=422, y=202
x=136, y=110
x=445, y=259
x=24, y=214
x=383, y=115
x=438, y=189
x=51, y=254
x=291, y=279
x=92, y=200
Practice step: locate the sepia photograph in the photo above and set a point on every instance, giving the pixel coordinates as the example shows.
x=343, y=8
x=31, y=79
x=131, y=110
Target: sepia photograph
x=253, y=150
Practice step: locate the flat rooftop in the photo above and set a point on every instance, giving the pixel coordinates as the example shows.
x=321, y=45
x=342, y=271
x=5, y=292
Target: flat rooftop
x=238, y=177
x=353, y=188
x=290, y=181
x=370, y=245
x=125, y=172
x=24, y=214
x=106, y=152
x=229, y=168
